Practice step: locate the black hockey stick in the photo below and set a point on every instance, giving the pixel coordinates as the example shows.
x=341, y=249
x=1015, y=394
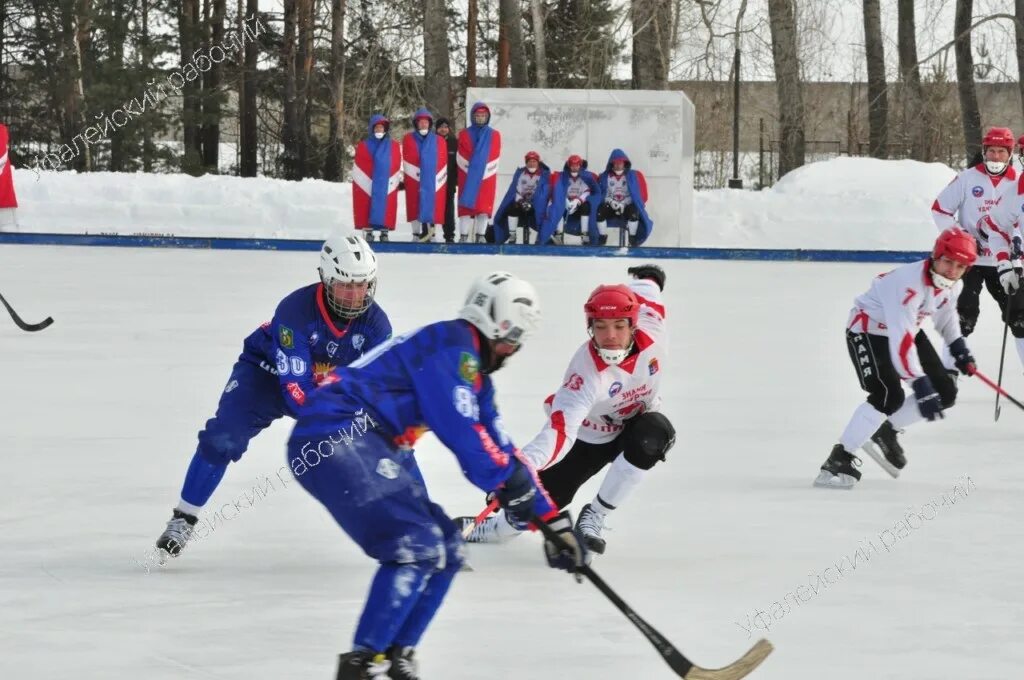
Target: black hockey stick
x=683, y=667
x=30, y=327
x=1002, y=355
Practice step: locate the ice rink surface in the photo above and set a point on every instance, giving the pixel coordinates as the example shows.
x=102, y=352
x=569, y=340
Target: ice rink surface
x=98, y=416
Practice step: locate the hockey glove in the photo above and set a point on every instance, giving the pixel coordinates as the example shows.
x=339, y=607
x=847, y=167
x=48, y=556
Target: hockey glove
x=962, y=357
x=571, y=205
x=1008, y=277
x=1017, y=250
x=570, y=556
x=516, y=495
x=928, y=401
x=649, y=271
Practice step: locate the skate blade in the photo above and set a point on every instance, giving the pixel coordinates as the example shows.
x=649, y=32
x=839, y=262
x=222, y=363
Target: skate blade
x=827, y=480
x=877, y=456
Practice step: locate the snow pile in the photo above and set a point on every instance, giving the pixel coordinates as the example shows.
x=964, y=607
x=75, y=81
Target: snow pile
x=842, y=203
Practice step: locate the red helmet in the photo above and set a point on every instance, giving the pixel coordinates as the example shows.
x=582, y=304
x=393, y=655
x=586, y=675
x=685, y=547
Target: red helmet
x=998, y=136
x=1020, y=142
x=575, y=159
x=957, y=245
x=532, y=154
x=612, y=302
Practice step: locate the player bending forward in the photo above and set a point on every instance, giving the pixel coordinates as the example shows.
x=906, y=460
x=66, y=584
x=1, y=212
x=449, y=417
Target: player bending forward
x=887, y=346
x=314, y=329
x=605, y=411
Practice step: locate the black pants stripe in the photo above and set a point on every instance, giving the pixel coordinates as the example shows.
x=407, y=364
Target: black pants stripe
x=879, y=378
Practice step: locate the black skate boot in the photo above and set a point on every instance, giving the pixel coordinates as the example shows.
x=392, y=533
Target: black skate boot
x=177, y=533
x=840, y=470
x=384, y=238
x=362, y=665
x=403, y=665
x=589, y=526
x=884, y=448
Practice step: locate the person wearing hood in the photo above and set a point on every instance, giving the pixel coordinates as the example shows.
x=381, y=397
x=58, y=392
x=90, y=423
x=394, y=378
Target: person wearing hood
x=375, y=179
x=479, y=152
x=526, y=199
x=624, y=194
x=444, y=131
x=575, y=196
x=425, y=164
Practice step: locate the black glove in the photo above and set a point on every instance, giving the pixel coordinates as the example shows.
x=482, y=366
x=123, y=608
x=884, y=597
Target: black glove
x=573, y=554
x=1017, y=251
x=525, y=206
x=649, y=271
x=516, y=495
x=962, y=357
x=928, y=401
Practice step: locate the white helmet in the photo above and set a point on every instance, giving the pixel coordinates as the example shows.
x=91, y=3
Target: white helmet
x=503, y=307
x=348, y=259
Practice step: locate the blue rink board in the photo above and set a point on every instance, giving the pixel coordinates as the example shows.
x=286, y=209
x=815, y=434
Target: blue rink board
x=220, y=243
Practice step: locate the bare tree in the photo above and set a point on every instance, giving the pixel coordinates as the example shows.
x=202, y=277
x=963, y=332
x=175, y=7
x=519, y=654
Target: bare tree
x=970, y=116
x=303, y=73
x=471, y=20
x=1019, y=33
x=878, y=99
x=539, y=53
x=247, y=107
x=913, y=97
x=211, y=88
x=437, y=90
x=336, y=139
x=191, y=114
x=290, y=121
x=782, y=21
x=653, y=24
x=511, y=50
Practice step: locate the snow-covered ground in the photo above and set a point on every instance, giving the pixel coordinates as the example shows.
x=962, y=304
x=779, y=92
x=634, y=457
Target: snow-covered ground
x=99, y=414
x=843, y=203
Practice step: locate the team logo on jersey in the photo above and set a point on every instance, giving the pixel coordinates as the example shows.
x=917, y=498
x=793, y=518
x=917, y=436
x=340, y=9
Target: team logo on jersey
x=469, y=368
x=574, y=383
x=615, y=388
x=321, y=370
x=388, y=469
x=313, y=338
x=357, y=341
x=652, y=366
x=231, y=386
x=332, y=347
x=977, y=192
x=286, y=337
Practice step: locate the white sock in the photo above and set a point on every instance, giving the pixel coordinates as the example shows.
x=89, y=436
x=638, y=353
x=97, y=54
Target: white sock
x=416, y=226
x=464, y=222
x=480, y=224
x=864, y=422
x=947, y=359
x=908, y=414
x=584, y=225
x=632, y=227
x=620, y=480
x=602, y=228
x=513, y=224
x=1020, y=348
x=188, y=508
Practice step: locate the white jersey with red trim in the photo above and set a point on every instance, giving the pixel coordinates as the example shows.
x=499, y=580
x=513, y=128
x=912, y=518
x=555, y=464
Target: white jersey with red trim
x=596, y=398
x=970, y=196
x=896, y=305
x=1007, y=217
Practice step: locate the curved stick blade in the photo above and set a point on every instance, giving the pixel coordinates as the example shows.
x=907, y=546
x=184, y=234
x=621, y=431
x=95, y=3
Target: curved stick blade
x=736, y=670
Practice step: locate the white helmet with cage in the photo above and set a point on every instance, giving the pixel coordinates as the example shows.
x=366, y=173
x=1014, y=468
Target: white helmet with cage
x=503, y=307
x=346, y=263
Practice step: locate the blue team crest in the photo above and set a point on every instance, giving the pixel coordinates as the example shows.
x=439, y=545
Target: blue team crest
x=615, y=388
x=332, y=347
x=357, y=342
x=977, y=192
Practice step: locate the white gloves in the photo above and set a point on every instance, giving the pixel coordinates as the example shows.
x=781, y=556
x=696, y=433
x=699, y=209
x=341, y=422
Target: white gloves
x=1008, y=277
x=571, y=204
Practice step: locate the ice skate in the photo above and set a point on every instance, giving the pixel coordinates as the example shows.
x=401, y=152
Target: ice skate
x=384, y=238
x=403, y=665
x=464, y=238
x=884, y=448
x=178, y=532
x=840, y=470
x=368, y=235
x=480, y=238
x=494, y=529
x=589, y=526
x=427, y=235
x=362, y=665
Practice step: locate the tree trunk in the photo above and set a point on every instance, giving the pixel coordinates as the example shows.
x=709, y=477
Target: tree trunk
x=969, y=112
x=1019, y=24
x=539, y=52
x=290, y=124
x=878, y=98
x=503, y=56
x=782, y=21
x=304, y=66
x=191, y=114
x=211, y=90
x=247, y=126
x=511, y=19
x=652, y=43
x=910, y=74
x=437, y=90
x=334, y=162
x=471, y=21
x=146, y=55
x=118, y=30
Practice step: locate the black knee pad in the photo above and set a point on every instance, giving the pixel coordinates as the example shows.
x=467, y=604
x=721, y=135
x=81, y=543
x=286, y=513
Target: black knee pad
x=947, y=392
x=1017, y=323
x=646, y=439
x=887, y=403
x=967, y=324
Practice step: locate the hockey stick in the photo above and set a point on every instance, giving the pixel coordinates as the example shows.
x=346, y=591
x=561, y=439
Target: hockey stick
x=30, y=327
x=683, y=667
x=1002, y=354
x=491, y=507
x=999, y=390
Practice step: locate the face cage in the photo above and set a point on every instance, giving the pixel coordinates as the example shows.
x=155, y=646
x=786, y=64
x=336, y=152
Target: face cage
x=345, y=311
x=610, y=356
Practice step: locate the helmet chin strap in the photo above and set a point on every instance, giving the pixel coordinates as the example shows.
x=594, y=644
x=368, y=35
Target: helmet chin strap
x=995, y=167
x=614, y=357
x=940, y=280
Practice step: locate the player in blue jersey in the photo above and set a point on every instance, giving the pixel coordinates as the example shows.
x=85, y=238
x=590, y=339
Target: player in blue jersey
x=351, y=448
x=314, y=329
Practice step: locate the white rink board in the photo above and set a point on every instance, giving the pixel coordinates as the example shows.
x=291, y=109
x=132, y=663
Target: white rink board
x=655, y=128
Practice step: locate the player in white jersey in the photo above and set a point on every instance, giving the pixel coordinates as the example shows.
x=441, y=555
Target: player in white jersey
x=970, y=196
x=887, y=347
x=606, y=411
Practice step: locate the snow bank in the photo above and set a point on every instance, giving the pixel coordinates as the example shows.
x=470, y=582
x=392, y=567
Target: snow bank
x=843, y=203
